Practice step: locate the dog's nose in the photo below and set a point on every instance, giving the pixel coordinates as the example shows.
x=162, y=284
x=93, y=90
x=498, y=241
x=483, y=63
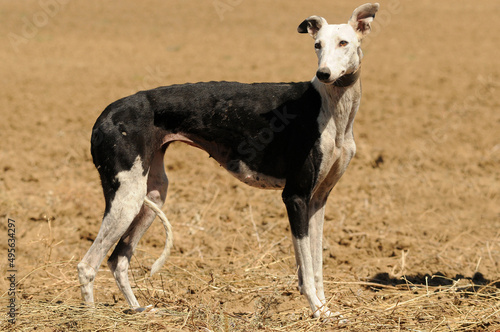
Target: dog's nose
x=323, y=74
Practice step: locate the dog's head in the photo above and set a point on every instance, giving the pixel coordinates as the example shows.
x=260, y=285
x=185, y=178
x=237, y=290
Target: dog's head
x=338, y=46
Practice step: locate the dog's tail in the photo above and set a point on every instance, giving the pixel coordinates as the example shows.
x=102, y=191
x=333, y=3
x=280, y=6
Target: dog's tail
x=168, y=229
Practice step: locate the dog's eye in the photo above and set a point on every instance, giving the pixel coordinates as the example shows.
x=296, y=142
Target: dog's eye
x=343, y=43
x=317, y=46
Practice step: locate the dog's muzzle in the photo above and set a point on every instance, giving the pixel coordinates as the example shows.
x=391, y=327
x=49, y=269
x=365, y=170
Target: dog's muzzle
x=323, y=74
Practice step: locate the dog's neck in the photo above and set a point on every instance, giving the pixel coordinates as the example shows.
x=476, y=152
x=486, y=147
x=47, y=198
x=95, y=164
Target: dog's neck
x=339, y=103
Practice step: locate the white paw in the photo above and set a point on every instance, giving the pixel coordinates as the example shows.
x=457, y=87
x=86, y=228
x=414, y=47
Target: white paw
x=329, y=316
x=146, y=309
x=339, y=318
x=322, y=312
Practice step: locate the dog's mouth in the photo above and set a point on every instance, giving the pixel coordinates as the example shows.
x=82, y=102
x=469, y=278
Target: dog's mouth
x=342, y=81
x=330, y=81
x=327, y=81
x=325, y=77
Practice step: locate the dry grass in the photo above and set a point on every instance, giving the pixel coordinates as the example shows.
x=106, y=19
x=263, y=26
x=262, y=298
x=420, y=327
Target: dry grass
x=428, y=303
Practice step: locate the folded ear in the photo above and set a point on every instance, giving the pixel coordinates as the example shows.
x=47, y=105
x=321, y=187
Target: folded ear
x=311, y=25
x=362, y=17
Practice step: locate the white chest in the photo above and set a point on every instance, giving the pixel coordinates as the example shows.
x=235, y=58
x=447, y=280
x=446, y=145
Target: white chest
x=337, y=141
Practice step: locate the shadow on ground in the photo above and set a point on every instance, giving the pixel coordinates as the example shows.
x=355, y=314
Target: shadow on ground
x=474, y=284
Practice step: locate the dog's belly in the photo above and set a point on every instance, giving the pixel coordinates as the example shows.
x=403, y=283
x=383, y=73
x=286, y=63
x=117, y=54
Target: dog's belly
x=254, y=178
x=238, y=168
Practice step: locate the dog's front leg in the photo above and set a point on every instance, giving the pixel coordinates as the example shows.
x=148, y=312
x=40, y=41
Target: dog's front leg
x=316, y=219
x=298, y=215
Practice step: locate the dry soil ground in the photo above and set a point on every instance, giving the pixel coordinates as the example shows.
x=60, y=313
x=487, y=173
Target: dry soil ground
x=412, y=236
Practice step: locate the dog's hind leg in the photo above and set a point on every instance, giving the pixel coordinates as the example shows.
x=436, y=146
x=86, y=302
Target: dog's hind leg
x=123, y=205
x=119, y=260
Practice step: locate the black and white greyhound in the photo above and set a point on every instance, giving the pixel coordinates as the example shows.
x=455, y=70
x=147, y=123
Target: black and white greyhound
x=292, y=136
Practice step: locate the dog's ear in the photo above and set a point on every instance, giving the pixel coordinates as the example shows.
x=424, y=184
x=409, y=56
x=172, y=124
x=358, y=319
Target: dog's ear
x=362, y=17
x=311, y=25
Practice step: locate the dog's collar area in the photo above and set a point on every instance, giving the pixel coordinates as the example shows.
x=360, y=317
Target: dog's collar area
x=347, y=79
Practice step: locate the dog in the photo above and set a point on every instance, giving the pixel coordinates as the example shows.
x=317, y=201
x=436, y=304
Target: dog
x=297, y=137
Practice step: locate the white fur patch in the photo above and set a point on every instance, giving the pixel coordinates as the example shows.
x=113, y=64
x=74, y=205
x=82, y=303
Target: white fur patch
x=335, y=123
x=130, y=195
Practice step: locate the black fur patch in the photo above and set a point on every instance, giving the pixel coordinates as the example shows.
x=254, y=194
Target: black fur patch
x=272, y=128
